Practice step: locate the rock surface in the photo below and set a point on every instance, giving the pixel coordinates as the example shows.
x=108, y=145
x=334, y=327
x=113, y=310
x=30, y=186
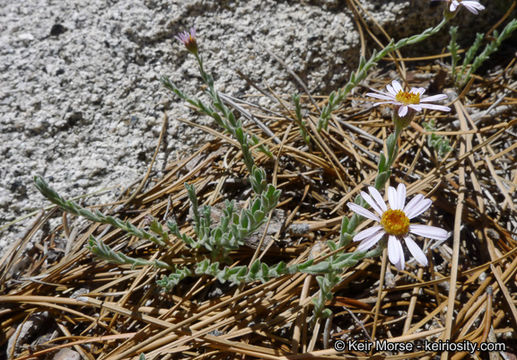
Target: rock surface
x=27, y=332
x=67, y=354
x=81, y=103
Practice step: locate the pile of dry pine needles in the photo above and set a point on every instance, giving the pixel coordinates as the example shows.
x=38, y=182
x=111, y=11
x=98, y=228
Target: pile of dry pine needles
x=106, y=311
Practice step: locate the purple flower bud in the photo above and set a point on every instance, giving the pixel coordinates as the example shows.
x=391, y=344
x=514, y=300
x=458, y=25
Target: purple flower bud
x=189, y=40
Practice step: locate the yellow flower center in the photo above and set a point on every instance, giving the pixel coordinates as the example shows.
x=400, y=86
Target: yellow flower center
x=407, y=97
x=395, y=222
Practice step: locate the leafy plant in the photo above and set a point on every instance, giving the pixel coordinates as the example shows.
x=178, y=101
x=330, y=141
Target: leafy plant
x=440, y=143
x=471, y=62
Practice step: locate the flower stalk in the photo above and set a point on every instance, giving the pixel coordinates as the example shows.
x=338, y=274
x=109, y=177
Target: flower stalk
x=218, y=110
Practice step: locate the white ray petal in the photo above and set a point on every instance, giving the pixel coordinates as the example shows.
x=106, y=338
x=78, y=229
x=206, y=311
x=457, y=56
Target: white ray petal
x=418, y=91
x=401, y=196
x=395, y=252
x=372, y=203
x=380, y=96
x=379, y=92
x=418, y=208
x=367, y=233
x=415, y=250
x=402, y=261
x=382, y=103
x=472, y=6
x=415, y=107
x=428, y=231
x=363, y=212
x=378, y=198
x=396, y=86
x=368, y=243
x=403, y=110
x=392, y=198
x=411, y=204
x=439, y=97
x=391, y=90
x=436, y=107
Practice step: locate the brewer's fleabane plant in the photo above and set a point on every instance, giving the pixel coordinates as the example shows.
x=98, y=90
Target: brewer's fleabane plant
x=213, y=242
x=218, y=239
x=234, y=226
x=394, y=222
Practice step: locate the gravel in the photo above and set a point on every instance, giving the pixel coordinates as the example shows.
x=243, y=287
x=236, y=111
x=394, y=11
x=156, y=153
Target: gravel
x=81, y=103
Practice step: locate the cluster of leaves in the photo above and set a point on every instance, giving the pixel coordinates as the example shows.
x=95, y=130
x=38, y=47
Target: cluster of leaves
x=439, y=143
x=241, y=274
x=233, y=227
x=168, y=282
x=228, y=235
x=218, y=239
x=299, y=119
x=471, y=62
x=103, y=251
x=218, y=111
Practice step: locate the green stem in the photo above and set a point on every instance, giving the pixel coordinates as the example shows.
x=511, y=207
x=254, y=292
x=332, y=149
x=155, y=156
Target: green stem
x=76, y=209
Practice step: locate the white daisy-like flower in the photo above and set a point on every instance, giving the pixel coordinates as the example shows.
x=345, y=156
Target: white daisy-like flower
x=472, y=6
x=395, y=223
x=407, y=100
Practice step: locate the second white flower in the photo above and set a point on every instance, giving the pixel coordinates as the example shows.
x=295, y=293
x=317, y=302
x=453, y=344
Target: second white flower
x=394, y=222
